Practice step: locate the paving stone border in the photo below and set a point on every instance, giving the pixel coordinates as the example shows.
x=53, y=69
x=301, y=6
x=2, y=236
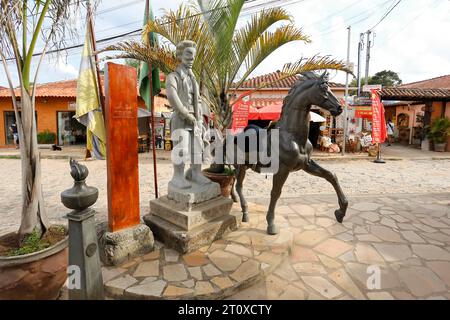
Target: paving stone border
x=239, y=260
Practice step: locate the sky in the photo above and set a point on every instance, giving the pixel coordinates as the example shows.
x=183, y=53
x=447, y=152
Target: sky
x=412, y=40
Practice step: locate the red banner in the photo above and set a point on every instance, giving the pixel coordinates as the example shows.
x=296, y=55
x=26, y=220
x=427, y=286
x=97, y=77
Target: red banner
x=241, y=110
x=378, y=122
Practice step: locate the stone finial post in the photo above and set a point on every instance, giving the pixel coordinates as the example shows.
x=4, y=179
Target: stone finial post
x=83, y=245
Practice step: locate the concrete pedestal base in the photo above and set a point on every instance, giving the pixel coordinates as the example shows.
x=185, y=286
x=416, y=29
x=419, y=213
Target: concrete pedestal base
x=185, y=241
x=121, y=246
x=186, y=199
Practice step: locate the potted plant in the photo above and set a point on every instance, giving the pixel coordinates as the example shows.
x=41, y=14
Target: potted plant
x=33, y=260
x=438, y=133
x=35, y=269
x=225, y=179
x=227, y=50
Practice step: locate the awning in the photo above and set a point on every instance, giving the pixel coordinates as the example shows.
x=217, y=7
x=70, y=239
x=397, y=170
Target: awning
x=316, y=117
x=273, y=112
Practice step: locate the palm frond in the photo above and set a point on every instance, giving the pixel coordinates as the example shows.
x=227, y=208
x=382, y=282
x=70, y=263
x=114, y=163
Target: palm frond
x=314, y=63
x=248, y=35
x=266, y=44
x=162, y=57
x=221, y=17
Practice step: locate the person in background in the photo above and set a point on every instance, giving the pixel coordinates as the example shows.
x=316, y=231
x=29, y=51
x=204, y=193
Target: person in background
x=13, y=129
x=159, y=140
x=390, y=131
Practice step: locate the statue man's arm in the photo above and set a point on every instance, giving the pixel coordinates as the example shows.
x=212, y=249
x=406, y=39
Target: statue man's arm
x=174, y=99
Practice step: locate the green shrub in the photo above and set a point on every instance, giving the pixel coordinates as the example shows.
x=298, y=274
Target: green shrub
x=439, y=130
x=46, y=137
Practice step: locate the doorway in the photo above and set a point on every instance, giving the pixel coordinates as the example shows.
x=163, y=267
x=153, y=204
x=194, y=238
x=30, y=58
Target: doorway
x=10, y=118
x=70, y=131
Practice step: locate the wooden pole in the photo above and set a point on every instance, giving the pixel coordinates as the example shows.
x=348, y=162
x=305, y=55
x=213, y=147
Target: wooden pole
x=152, y=110
x=97, y=68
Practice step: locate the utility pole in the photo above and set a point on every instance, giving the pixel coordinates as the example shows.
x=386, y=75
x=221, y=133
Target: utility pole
x=369, y=43
x=360, y=49
x=346, y=91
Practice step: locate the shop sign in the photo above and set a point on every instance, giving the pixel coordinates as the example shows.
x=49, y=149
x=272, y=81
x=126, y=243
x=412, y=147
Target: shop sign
x=72, y=106
x=241, y=110
x=363, y=112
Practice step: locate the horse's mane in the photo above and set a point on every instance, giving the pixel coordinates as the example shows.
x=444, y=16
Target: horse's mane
x=303, y=83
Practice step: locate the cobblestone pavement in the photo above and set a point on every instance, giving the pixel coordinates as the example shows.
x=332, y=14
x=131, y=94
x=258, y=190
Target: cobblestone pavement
x=356, y=177
x=405, y=237
x=398, y=221
x=389, y=247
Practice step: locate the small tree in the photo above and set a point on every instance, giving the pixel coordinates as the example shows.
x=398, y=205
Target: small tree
x=386, y=78
x=23, y=24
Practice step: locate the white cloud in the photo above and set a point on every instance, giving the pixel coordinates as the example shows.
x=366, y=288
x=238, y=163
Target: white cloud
x=67, y=68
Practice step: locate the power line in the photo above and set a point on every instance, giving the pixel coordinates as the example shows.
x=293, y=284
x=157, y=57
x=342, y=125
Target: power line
x=368, y=13
x=397, y=31
x=128, y=33
x=386, y=14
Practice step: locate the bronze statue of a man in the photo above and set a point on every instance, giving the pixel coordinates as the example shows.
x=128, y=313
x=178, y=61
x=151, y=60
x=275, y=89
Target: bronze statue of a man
x=187, y=123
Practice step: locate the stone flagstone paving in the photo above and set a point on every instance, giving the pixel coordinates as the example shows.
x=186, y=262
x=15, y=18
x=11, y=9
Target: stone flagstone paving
x=406, y=236
x=237, y=261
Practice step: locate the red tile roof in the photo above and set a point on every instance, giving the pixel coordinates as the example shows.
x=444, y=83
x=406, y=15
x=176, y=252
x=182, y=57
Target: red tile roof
x=59, y=89
x=68, y=89
x=414, y=94
x=432, y=89
x=442, y=82
x=287, y=83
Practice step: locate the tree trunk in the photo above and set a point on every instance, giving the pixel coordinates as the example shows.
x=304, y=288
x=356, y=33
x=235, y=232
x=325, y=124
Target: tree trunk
x=33, y=211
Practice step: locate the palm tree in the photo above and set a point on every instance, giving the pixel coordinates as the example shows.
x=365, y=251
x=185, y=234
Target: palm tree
x=23, y=24
x=222, y=48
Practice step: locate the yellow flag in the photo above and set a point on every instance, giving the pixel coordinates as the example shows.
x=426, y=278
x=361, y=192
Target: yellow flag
x=89, y=111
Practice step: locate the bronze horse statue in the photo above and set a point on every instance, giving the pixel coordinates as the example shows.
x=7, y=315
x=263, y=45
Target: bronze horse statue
x=294, y=152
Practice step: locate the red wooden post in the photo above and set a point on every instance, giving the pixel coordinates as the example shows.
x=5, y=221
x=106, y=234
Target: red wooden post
x=122, y=146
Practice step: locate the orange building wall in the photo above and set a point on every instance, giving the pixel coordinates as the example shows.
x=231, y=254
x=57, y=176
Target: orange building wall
x=46, y=114
x=5, y=105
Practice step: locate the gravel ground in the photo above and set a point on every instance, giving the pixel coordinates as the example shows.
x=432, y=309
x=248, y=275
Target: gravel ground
x=356, y=177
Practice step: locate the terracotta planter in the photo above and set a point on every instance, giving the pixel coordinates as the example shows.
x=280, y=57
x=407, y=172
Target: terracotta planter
x=225, y=181
x=35, y=276
x=440, y=147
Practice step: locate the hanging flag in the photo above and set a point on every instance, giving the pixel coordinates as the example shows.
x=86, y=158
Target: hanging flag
x=144, y=88
x=378, y=122
x=88, y=110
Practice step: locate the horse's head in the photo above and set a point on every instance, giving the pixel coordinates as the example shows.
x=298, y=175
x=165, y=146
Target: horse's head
x=321, y=94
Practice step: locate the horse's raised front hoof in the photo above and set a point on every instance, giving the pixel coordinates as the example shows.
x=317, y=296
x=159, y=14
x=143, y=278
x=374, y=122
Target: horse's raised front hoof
x=245, y=217
x=339, y=215
x=272, y=229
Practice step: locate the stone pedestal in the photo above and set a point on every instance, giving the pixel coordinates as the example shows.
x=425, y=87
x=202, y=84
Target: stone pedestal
x=84, y=254
x=120, y=246
x=187, y=219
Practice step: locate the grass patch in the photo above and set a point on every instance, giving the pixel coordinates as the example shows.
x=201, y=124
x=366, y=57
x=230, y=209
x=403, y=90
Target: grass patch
x=33, y=243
